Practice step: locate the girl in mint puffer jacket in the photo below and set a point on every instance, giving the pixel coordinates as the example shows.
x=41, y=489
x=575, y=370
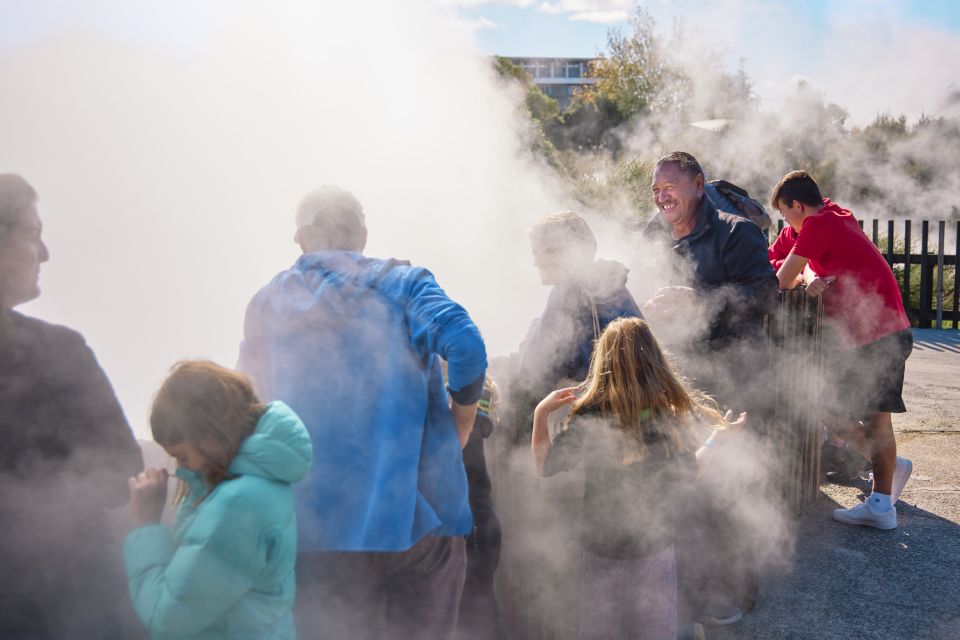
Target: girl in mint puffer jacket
x=226, y=568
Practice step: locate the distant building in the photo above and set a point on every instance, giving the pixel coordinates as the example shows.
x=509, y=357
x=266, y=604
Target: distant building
x=559, y=78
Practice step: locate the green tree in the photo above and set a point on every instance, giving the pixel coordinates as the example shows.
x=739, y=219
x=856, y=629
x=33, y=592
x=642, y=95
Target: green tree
x=541, y=106
x=538, y=107
x=633, y=71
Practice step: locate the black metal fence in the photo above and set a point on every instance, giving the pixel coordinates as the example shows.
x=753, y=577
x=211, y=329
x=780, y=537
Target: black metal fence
x=928, y=275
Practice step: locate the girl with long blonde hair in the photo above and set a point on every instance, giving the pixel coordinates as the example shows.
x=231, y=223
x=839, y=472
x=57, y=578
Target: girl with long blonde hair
x=632, y=427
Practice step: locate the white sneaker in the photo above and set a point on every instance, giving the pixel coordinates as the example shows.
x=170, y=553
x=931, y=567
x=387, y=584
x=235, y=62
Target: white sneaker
x=863, y=514
x=721, y=612
x=901, y=473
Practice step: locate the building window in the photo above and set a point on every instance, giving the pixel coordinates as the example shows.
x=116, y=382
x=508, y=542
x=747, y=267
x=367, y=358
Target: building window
x=574, y=69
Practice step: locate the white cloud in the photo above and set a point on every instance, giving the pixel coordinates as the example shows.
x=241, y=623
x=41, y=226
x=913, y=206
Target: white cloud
x=868, y=56
x=168, y=183
x=476, y=24
x=586, y=6
x=600, y=11
x=479, y=3
x=601, y=17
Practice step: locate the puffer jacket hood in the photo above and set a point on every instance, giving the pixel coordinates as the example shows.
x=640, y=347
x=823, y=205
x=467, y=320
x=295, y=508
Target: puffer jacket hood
x=225, y=571
x=278, y=449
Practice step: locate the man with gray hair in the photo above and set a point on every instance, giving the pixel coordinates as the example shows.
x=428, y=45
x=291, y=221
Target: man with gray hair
x=720, y=272
x=354, y=345
x=66, y=452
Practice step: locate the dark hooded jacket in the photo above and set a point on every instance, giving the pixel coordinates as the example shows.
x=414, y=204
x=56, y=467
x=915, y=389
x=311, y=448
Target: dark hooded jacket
x=559, y=343
x=66, y=452
x=728, y=256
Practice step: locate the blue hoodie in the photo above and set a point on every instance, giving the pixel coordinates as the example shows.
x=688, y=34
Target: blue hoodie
x=225, y=571
x=353, y=344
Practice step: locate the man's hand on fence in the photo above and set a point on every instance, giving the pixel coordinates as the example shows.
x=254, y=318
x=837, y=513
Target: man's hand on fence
x=670, y=304
x=818, y=285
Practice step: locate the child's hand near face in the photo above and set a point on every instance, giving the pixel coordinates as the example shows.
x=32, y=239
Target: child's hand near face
x=148, y=494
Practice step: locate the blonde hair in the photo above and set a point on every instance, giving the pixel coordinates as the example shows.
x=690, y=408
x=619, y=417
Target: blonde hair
x=212, y=408
x=632, y=383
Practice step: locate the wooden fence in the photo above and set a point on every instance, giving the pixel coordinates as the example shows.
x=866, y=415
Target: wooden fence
x=929, y=280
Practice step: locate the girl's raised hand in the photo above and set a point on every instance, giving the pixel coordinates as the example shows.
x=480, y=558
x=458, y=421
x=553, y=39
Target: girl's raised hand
x=556, y=399
x=734, y=426
x=148, y=493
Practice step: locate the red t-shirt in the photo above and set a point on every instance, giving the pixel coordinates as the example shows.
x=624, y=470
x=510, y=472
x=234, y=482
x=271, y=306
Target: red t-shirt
x=780, y=249
x=864, y=302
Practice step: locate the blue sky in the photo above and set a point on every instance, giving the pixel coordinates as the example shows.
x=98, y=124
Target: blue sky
x=870, y=56
x=529, y=28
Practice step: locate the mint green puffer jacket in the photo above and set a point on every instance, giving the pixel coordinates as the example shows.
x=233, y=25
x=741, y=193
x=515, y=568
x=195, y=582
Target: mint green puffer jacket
x=225, y=570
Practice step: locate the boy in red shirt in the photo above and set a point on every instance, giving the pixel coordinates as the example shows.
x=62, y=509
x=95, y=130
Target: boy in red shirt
x=861, y=299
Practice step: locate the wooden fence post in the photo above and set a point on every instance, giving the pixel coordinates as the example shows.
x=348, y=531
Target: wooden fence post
x=796, y=345
x=906, y=265
x=890, y=243
x=926, y=277
x=956, y=279
x=941, y=231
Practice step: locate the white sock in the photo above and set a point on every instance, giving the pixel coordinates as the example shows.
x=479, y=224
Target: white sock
x=879, y=502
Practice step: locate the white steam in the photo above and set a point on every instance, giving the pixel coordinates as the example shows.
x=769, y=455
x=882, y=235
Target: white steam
x=169, y=170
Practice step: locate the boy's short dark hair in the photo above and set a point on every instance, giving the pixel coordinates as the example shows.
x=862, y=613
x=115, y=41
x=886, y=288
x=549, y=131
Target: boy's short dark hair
x=796, y=186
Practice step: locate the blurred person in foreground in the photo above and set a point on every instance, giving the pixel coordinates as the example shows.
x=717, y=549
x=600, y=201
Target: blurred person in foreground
x=225, y=569
x=66, y=452
x=871, y=332
x=354, y=345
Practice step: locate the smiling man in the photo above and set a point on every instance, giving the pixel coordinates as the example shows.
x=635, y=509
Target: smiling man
x=720, y=258
x=719, y=268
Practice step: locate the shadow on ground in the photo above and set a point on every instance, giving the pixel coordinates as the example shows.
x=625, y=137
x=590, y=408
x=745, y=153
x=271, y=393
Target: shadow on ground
x=858, y=582
x=934, y=340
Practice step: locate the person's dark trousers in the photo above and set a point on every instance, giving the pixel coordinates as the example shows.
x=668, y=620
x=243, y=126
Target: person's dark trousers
x=353, y=595
x=480, y=617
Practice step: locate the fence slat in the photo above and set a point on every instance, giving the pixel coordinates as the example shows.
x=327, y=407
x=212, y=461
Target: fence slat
x=941, y=231
x=926, y=275
x=890, y=243
x=956, y=279
x=876, y=232
x=906, y=265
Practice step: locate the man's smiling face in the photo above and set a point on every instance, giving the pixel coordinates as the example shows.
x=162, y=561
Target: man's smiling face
x=676, y=193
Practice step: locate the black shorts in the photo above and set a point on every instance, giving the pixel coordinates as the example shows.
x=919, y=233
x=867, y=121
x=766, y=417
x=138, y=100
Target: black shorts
x=869, y=379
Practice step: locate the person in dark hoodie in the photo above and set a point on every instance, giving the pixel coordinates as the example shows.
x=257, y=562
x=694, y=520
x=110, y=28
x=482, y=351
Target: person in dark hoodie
x=65, y=456
x=587, y=295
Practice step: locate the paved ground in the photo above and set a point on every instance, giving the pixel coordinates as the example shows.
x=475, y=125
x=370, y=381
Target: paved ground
x=851, y=582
